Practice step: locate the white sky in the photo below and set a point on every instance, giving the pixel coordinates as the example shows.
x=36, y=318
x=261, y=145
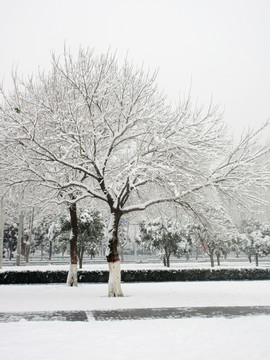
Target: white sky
x=222, y=45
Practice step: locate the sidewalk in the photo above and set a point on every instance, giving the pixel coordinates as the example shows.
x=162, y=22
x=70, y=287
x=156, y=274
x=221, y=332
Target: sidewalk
x=137, y=314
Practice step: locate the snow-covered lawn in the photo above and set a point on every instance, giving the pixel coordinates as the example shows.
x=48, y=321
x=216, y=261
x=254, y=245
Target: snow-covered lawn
x=141, y=266
x=194, y=338
x=137, y=295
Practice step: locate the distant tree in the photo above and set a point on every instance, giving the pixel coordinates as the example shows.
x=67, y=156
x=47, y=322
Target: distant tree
x=185, y=246
x=41, y=236
x=236, y=245
x=199, y=236
x=10, y=239
x=164, y=237
x=255, y=239
x=214, y=235
x=90, y=233
x=223, y=249
x=123, y=236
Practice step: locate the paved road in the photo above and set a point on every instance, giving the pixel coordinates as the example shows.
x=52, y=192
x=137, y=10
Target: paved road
x=137, y=314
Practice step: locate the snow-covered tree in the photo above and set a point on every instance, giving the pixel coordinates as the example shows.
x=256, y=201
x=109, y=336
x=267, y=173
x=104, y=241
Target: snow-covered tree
x=165, y=237
x=123, y=236
x=51, y=233
x=43, y=236
x=95, y=128
x=236, y=245
x=255, y=239
x=10, y=239
x=185, y=246
x=214, y=233
x=90, y=233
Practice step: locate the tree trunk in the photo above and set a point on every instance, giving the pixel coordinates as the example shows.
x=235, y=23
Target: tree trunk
x=27, y=251
x=29, y=240
x=249, y=259
x=81, y=253
x=135, y=250
x=72, y=279
x=19, y=241
x=114, y=285
x=167, y=260
x=257, y=259
x=218, y=259
x=212, y=259
x=50, y=250
x=164, y=261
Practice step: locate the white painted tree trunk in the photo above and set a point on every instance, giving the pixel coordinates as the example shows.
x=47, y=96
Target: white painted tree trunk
x=72, y=279
x=114, y=279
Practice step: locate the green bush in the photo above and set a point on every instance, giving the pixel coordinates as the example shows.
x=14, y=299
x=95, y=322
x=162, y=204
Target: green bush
x=60, y=276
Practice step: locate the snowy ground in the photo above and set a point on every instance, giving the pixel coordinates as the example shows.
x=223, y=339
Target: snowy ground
x=194, y=338
x=140, y=266
x=137, y=295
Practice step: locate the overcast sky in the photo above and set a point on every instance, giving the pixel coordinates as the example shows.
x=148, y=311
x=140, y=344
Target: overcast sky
x=221, y=46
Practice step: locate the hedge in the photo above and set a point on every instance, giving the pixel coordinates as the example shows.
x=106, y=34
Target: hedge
x=84, y=276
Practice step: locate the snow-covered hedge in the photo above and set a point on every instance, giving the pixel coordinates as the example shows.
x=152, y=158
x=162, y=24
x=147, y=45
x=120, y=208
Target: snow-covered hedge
x=60, y=276
x=49, y=276
x=196, y=275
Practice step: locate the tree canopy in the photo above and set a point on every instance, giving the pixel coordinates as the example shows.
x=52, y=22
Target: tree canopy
x=96, y=128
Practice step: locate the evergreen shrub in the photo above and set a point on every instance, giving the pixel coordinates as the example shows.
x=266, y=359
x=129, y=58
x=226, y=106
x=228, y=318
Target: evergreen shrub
x=88, y=276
